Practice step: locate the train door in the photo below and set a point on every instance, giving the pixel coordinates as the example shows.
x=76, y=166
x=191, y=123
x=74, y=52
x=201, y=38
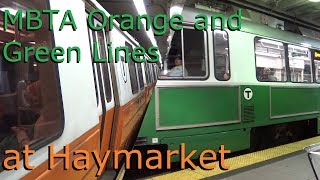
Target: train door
x=105, y=100
x=129, y=106
x=107, y=121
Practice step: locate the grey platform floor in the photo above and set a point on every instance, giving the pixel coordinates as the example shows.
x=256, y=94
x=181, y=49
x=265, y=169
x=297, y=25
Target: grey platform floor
x=296, y=167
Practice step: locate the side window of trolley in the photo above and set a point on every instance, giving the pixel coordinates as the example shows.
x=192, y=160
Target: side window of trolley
x=221, y=55
x=316, y=58
x=30, y=100
x=300, y=64
x=270, y=60
x=187, y=56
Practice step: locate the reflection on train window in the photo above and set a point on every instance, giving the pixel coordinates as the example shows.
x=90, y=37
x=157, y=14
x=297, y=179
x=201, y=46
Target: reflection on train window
x=270, y=60
x=91, y=35
x=107, y=81
x=146, y=70
x=141, y=83
x=133, y=72
x=150, y=74
x=300, y=64
x=30, y=109
x=154, y=74
x=186, y=57
x=105, y=66
x=221, y=55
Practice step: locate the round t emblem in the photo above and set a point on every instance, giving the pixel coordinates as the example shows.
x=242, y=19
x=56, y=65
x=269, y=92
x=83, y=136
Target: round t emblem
x=247, y=94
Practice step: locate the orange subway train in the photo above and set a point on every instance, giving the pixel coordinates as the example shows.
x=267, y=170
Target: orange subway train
x=72, y=108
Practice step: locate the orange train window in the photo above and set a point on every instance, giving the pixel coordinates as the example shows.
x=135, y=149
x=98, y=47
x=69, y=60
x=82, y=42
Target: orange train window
x=30, y=106
x=133, y=72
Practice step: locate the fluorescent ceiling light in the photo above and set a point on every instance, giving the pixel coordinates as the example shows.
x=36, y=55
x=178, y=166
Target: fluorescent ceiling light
x=306, y=44
x=298, y=47
x=271, y=42
x=12, y=11
x=169, y=38
x=175, y=10
x=268, y=54
x=141, y=8
x=314, y=0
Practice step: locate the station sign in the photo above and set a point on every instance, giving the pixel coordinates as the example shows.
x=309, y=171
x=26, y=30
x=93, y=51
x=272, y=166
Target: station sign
x=317, y=55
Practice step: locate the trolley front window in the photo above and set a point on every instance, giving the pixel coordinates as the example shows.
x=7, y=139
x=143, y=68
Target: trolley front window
x=187, y=58
x=30, y=103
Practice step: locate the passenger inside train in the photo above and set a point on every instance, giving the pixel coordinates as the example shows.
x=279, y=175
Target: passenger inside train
x=270, y=60
x=178, y=70
x=31, y=122
x=266, y=74
x=222, y=73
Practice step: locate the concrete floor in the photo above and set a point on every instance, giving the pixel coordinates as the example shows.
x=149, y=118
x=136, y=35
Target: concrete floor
x=293, y=168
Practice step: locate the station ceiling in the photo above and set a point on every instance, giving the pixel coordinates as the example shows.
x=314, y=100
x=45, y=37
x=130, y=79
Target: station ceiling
x=300, y=11
x=153, y=7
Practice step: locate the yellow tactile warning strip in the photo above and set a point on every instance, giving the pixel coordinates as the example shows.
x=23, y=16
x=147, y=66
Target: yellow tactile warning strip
x=121, y=173
x=241, y=161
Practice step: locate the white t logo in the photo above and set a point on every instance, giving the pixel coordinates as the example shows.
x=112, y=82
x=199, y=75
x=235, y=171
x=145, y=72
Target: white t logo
x=247, y=94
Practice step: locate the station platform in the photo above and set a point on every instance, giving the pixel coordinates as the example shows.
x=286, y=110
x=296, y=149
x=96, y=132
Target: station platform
x=288, y=161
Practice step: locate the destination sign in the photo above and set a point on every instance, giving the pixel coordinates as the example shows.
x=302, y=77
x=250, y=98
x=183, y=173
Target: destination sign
x=317, y=55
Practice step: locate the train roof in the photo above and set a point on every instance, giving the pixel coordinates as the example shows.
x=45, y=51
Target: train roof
x=95, y=4
x=189, y=15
